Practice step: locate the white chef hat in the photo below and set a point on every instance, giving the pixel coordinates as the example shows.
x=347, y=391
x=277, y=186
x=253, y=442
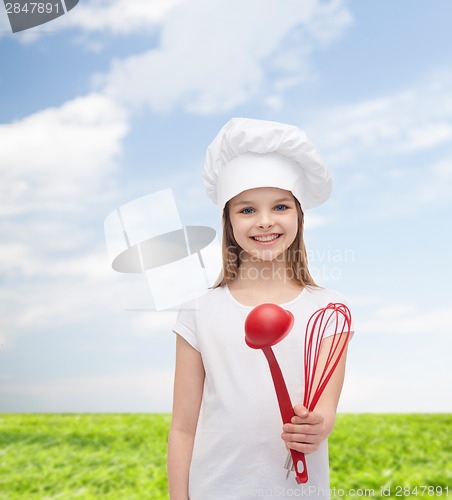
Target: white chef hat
x=249, y=153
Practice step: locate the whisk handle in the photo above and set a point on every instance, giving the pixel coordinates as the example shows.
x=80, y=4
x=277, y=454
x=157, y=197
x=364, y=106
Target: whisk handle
x=299, y=463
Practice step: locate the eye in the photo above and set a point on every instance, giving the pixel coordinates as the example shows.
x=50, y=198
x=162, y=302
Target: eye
x=247, y=211
x=281, y=208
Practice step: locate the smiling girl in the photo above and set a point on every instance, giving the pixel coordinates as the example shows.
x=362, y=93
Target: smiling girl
x=226, y=440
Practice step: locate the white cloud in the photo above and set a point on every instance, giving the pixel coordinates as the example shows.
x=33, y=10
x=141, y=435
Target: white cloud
x=406, y=319
x=39, y=306
x=410, y=121
x=392, y=154
x=50, y=248
x=437, y=187
x=150, y=323
x=55, y=170
x=76, y=291
x=428, y=135
x=58, y=157
x=118, y=16
x=214, y=56
x=45, y=288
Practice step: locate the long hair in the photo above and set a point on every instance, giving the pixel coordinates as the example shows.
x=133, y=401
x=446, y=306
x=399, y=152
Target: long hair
x=295, y=255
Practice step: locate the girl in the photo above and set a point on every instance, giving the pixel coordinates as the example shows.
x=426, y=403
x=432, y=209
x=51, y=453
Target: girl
x=226, y=440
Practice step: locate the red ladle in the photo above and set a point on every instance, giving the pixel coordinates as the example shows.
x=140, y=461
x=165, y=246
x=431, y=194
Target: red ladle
x=265, y=326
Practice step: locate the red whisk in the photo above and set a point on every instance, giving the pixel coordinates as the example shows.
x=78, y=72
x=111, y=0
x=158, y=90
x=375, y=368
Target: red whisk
x=268, y=324
x=338, y=319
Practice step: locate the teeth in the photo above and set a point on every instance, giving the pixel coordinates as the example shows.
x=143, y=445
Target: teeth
x=270, y=237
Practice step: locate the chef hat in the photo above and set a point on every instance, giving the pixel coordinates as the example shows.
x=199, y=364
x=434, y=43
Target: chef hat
x=249, y=153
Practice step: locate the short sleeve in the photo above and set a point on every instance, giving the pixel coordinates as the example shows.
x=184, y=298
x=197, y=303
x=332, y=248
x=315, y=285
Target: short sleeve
x=185, y=324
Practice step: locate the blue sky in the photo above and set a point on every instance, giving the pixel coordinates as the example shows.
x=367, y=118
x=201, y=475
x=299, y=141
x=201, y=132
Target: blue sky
x=118, y=99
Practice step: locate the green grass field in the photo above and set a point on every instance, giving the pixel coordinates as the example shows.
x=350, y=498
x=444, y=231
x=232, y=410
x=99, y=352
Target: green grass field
x=87, y=456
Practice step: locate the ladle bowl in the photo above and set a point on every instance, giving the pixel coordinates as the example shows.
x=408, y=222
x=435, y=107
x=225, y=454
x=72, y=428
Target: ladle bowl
x=266, y=325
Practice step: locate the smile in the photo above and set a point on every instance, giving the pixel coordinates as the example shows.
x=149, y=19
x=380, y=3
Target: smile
x=266, y=238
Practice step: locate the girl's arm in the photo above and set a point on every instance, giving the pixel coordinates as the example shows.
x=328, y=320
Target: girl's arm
x=188, y=386
x=309, y=429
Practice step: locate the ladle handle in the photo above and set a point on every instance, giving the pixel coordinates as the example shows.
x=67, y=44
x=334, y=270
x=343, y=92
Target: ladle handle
x=286, y=409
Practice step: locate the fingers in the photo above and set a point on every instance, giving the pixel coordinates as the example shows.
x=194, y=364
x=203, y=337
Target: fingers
x=304, y=433
x=300, y=438
x=302, y=429
x=304, y=442
x=305, y=448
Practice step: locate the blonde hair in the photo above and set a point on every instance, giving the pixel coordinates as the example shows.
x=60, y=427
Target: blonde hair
x=295, y=255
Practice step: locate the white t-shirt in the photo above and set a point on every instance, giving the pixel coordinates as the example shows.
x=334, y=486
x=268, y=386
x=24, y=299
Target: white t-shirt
x=238, y=451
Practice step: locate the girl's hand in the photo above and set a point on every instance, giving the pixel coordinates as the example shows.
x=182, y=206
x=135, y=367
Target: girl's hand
x=306, y=431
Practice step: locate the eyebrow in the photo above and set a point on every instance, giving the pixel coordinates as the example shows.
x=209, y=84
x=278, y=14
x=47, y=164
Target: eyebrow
x=286, y=199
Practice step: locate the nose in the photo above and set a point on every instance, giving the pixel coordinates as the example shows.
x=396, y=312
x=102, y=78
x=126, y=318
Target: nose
x=265, y=221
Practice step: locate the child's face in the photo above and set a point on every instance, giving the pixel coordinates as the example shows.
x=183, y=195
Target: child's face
x=264, y=221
